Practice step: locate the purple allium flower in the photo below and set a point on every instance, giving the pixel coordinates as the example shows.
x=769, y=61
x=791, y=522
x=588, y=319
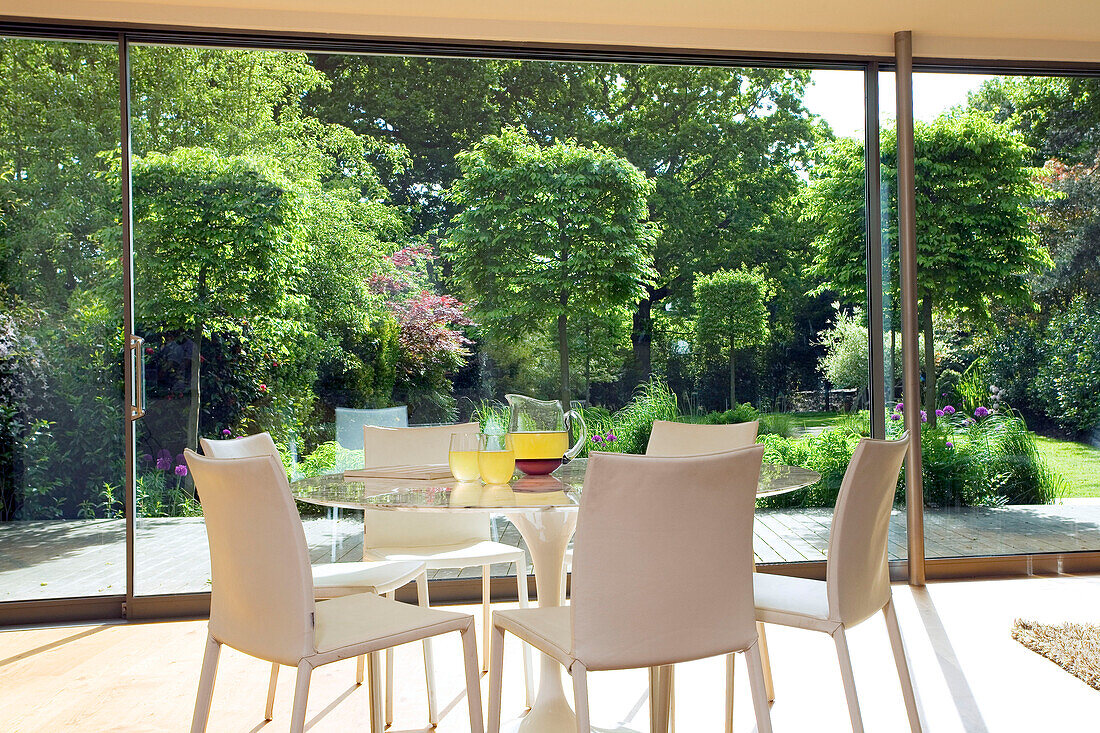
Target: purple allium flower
x=895, y=416
x=949, y=410
x=899, y=407
x=180, y=460
x=939, y=413
x=164, y=464
x=967, y=422
x=227, y=432
x=611, y=437
x=165, y=454
x=148, y=458
x=181, y=470
x=923, y=416
x=597, y=438
x=981, y=412
x=949, y=444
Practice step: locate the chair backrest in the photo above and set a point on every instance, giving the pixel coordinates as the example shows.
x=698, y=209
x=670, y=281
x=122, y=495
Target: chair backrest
x=857, y=572
x=641, y=549
x=416, y=446
x=248, y=446
x=261, y=600
x=687, y=439
x=350, y=422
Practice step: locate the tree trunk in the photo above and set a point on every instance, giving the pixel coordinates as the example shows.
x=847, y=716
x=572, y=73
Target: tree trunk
x=588, y=364
x=196, y=367
x=733, y=375
x=563, y=320
x=563, y=353
x=196, y=397
x=929, y=362
x=641, y=343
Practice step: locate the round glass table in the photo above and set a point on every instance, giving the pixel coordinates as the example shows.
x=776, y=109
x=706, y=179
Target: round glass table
x=543, y=509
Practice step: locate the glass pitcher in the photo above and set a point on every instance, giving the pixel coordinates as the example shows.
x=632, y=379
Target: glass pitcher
x=540, y=433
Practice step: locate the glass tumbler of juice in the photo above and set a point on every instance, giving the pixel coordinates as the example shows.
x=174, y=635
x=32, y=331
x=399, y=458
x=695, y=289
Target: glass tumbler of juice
x=496, y=459
x=462, y=456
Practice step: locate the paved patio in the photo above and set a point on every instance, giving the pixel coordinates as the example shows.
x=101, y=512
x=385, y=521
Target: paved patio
x=58, y=559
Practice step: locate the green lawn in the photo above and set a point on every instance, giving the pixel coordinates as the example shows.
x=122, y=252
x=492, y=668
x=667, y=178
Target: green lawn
x=1077, y=463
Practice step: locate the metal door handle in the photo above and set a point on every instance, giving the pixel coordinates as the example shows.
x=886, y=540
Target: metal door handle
x=137, y=363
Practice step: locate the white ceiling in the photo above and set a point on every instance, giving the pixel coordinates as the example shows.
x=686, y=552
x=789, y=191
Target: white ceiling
x=1059, y=30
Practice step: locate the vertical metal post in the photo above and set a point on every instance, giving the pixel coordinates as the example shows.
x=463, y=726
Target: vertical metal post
x=133, y=362
x=873, y=218
x=907, y=243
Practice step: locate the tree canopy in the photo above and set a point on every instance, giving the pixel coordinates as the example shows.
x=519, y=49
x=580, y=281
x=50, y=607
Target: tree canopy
x=548, y=232
x=731, y=315
x=976, y=244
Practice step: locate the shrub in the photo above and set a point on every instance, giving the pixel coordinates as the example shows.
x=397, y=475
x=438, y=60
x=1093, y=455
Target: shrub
x=1068, y=377
x=743, y=412
x=631, y=425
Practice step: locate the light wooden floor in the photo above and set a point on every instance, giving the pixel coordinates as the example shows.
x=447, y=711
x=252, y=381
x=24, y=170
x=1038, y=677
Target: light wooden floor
x=970, y=675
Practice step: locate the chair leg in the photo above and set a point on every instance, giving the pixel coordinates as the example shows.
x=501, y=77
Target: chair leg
x=360, y=666
x=389, y=679
x=765, y=661
x=206, y=685
x=485, y=613
x=528, y=661
x=729, y=693
x=580, y=696
x=496, y=677
x=660, y=682
x=670, y=695
x=429, y=659
x=473, y=680
x=902, y=663
x=758, y=687
x=848, y=677
x=301, y=694
x=269, y=713
x=374, y=692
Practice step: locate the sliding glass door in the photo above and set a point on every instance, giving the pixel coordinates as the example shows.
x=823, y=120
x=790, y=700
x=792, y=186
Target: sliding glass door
x=62, y=477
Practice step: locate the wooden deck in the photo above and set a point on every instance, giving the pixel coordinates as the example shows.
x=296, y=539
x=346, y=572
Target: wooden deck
x=59, y=559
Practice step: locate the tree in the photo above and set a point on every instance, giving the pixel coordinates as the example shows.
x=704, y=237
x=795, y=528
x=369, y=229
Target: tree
x=976, y=245
x=546, y=232
x=214, y=237
x=846, y=362
x=731, y=315
x=724, y=147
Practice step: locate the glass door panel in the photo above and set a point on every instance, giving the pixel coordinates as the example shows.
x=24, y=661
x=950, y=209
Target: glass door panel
x=62, y=526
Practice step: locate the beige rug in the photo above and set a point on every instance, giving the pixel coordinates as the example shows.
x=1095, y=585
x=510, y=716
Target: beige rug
x=1073, y=647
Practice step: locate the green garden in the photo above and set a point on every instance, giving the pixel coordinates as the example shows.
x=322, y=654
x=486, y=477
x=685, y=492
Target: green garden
x=655, y=242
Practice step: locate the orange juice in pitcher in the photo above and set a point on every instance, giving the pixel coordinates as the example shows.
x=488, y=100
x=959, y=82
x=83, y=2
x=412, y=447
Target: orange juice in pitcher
x=539, y=430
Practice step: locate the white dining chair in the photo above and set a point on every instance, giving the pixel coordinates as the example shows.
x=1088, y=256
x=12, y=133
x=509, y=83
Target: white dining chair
x=857, y=576
x=262, y=594
x=670, y=438
x=350, y=422
x=628, y=608
x=440, y=541
x=691, y=439
x=331, y=580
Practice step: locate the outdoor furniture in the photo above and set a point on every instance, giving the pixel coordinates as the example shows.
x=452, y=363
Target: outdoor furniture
x=626, y=611
x=438, y=542
x=350, y=422
x=543, y=509
x=332, y=580
x=262, y=599
x=857, y=583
